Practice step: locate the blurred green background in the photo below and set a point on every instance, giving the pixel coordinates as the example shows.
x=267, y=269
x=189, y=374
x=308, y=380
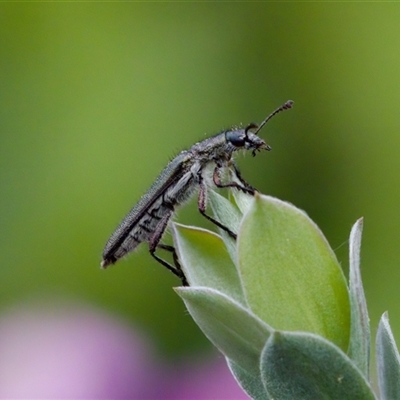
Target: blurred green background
x=96, y=98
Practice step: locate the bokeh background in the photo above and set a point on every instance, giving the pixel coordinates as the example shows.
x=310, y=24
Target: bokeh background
x=95, y=98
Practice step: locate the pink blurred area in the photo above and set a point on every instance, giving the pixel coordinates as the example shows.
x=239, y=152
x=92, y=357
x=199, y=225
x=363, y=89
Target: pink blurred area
x=76, y=352
x=209, y=379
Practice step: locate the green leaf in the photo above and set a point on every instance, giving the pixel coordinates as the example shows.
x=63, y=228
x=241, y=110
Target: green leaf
x=229, y=215
x=224, y=211
x=251, y=384
x=233, y=329
x=306, y=366
x=360, y=337
x=388, y=361
x=205, y=260
x=289, y=274
x=242, y=200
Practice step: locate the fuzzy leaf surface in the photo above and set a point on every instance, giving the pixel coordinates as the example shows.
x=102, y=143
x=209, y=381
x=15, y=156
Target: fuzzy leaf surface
x=359, y=347
x=205, y=260
x=242, y=200
x=251, y=384
x=233, y=329
x=228, y=214
x=305, y=366
x=388, y=361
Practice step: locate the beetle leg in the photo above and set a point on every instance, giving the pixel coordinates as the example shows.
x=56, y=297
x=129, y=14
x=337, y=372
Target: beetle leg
x=154, y=243
x=202, y=205
x=245, y=187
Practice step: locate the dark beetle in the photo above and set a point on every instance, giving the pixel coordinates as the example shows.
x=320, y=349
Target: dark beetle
x=195, y=169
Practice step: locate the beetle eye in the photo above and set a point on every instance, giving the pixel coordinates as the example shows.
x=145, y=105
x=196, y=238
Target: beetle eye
x=236, y=138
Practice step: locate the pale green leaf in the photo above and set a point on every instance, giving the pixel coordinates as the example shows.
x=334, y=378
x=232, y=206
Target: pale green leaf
x=205, y=260
x=306, y=366
x=290, y=275
x=233, y=329
x=251, y=384
x=388, y=361
x=229, y=215
x=359, y=346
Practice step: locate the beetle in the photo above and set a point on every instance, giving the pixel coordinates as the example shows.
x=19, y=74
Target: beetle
x=195, y=169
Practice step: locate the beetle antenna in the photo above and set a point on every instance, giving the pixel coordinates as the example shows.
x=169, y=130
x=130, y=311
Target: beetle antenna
x=283, y=107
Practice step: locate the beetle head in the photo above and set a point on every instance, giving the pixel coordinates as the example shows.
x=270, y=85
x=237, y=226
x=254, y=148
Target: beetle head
x=247, y=140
